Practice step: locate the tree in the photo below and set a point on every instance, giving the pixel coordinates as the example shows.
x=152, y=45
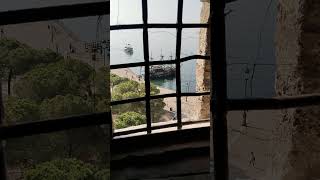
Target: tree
x=156, y=106
x=20, y=110
x=17, y=58
x=102, y=93
x=20, y=150
x=128, y=89
x=115, y=80
x=82, y=143
x=21, y=58
x=70, y=169
x=102, y=175
x=62, y=106
x=102, y=82
x=60, y=78
x=50, y=87
x=128, y=119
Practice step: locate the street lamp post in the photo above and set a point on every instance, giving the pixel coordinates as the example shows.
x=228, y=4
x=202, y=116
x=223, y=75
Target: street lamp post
x=187, y=86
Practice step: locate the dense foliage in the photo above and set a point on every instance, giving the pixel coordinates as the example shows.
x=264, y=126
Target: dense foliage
x=48, y=86
x=17, y=58
x=66, y=169
x=60, y=106
x=21, y=110
x=124, y=88
x=21, y=58
x=128, y=119
x=60, y=78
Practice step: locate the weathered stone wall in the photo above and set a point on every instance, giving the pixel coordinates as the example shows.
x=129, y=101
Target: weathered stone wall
x=296, y=143
x=295, y=153
x=203, y=67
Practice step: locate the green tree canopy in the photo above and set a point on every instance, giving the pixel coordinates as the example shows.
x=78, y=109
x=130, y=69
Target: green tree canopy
x=21, y=58
x=128, y=119
x=20, y=110
x=102, y=80
x=103, y=174
x=115, y=80
x=82, y=143
x=131, y=89
x=60, y=78
x=65, y=169
x=61, y=106
x=47, y=87
x=128, y=89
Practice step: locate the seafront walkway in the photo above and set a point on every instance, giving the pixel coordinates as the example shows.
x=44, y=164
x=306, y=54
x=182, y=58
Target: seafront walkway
x=188, y=105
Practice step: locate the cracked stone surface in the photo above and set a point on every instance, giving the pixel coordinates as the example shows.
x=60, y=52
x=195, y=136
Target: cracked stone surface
x=296, y=142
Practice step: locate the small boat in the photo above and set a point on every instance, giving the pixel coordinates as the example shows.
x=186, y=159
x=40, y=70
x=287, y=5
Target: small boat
x=128, y=50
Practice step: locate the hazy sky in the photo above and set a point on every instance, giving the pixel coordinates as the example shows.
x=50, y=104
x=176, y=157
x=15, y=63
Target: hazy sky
x=161, y=41
x=159, y=11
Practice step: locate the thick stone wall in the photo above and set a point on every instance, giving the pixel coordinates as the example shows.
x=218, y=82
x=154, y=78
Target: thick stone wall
x=296, y=143
x=203, y=67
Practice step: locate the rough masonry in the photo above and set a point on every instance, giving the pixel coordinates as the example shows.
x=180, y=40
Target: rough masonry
x=295, y=141
x=296, y=144
x=203, y=66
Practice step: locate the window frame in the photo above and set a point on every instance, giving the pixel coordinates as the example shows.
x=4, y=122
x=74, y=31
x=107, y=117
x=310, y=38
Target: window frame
x=145, y=26
x=218, y=97
x=219, y=103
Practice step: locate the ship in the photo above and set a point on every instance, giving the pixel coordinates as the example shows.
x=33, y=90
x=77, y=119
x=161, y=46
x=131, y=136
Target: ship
x=162, y=71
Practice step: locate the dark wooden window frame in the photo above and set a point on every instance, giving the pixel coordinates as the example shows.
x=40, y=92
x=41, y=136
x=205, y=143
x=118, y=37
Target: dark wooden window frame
x=145, y=26
x=219, y=104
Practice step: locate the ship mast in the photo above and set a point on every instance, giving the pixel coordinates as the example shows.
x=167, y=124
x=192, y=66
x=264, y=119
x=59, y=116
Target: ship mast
x=161, y=56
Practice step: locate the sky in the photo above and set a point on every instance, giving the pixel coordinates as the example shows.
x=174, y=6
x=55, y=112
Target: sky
x=159, y=11
x=160, y=40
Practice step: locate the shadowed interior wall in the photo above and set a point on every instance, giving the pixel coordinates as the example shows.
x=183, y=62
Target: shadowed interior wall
x=297, y=136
